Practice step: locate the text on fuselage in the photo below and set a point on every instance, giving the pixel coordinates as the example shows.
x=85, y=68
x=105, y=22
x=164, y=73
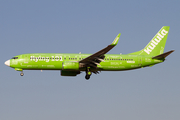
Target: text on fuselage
x=46, y=59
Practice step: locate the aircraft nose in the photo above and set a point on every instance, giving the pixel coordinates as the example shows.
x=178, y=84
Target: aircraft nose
x=7, y=63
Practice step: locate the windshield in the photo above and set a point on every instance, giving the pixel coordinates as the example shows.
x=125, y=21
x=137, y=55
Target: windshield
x=15, y=58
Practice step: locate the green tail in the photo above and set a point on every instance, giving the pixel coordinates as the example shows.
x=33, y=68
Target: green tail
x=156, y=45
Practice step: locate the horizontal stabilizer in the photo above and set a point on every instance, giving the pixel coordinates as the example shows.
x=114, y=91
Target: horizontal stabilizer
x=162, y=56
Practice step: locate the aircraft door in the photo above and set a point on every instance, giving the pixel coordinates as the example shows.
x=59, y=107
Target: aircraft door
x=25, y=59
x=140, y=61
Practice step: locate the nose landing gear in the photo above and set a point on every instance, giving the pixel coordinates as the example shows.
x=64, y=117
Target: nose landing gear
x=21, y=74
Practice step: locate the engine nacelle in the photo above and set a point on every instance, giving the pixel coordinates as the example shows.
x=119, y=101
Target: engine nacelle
x=69, y=73
x=69, y=65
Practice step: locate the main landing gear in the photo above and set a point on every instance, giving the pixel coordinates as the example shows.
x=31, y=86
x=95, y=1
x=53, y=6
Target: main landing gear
x=21, y=74
x=88, y=74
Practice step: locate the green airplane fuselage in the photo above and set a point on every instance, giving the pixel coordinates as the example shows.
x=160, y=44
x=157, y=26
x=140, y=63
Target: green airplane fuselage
x=54, y=61
x=73, y=64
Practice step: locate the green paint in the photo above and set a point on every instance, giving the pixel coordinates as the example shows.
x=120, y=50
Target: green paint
x=73, y=64
x=115, y=42
x=157, y=44
x=18, y=69
x=89, y=73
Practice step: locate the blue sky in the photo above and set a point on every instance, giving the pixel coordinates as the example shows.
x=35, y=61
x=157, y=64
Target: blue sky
x=87, y=26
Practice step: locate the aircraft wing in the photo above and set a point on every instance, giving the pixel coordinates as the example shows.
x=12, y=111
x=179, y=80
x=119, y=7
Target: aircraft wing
x=94, y=59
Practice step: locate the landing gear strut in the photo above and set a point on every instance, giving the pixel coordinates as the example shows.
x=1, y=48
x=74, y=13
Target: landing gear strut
x=88, y=74
x=21, y=74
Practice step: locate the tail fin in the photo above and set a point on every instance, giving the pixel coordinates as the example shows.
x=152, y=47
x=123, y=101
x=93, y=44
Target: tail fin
x=157, y=44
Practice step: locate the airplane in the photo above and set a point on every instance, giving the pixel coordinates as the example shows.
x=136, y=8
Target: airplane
x=74, y=64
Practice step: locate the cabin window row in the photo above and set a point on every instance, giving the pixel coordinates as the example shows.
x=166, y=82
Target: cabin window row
x=75, y=58
x=119, y=59
x=79, y=58
x=54, y=58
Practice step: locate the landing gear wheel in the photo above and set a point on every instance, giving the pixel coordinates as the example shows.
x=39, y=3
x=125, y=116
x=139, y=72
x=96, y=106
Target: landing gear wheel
x=88, y=74
x=87, y=77
x=22, y=74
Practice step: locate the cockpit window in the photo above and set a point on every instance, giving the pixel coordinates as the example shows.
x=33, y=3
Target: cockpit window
x=15, y=58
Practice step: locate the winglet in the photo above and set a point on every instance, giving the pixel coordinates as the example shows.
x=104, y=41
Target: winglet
x=115, y=42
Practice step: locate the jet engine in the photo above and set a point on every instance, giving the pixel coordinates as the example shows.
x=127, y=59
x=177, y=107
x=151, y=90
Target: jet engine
x=69, y=65
x=69, y=73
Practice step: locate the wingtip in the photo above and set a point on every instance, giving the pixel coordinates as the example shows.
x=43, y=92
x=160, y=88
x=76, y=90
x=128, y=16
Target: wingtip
x=115, y=42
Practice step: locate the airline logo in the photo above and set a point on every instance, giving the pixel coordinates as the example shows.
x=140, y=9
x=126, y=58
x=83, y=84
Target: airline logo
x=160, y=35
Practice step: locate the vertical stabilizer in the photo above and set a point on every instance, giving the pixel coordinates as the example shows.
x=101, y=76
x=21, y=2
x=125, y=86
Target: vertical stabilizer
x=157, y=44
